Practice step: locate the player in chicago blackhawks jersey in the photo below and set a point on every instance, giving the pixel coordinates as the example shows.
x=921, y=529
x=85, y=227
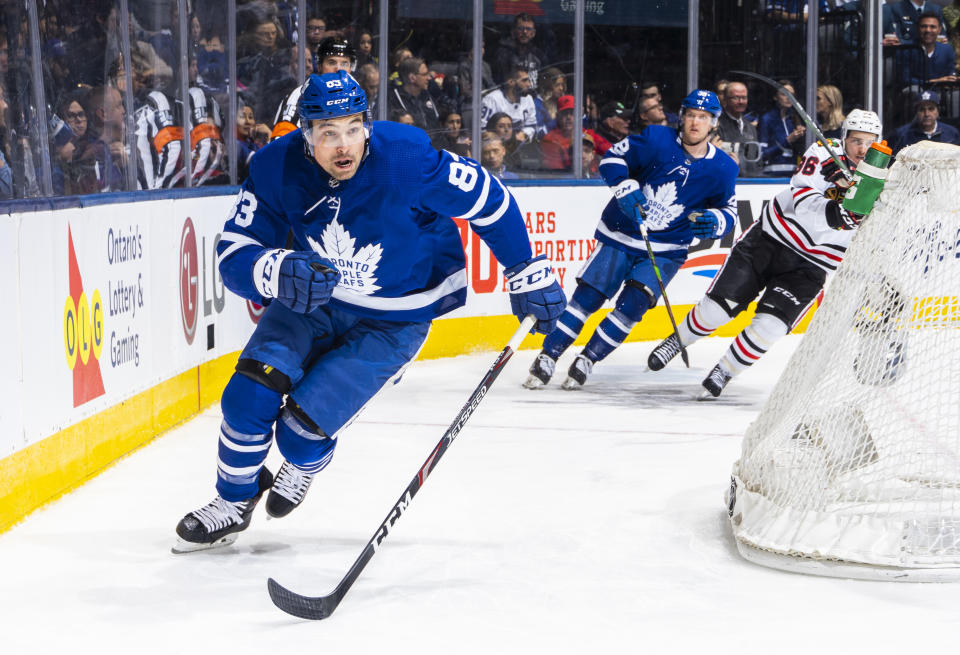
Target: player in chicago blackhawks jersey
x=375, y=258
x=801, y=236
x=679, y=186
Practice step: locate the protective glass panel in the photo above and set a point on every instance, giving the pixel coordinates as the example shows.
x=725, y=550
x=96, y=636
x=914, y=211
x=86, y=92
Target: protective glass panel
x=634, y=71
x=531, y=61
x=80, y=56
x=430, y=45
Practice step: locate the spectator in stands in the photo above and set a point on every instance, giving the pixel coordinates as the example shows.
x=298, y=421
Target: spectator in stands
x=316, y=31
x=830, y=110
x=591, y=112
x=514, y=99
x=590, y=161
x=152, y=69
x=402, y=116
x=413, y=97
x=926, y=125
x=652, y=90
x=263, y=57
x=518, y=51
x=105, y=116
x=368, y=77
x=502, y=125
x=61, y=153
x=650, y=112
x=251, y=136
x=905, y=17
x=87, y=170
x=452, y=137
x=614, y=121
x=552, y=84
x=556, y=145
x=6, y=173
x=928, y=62
x=951, y=20
x=781, y=135
x=738, y=136
x=365, y=48
x=492, y=154
x=465, y=82
x=398, y=56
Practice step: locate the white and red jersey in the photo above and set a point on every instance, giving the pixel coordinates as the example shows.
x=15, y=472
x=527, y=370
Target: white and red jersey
x=797, y=217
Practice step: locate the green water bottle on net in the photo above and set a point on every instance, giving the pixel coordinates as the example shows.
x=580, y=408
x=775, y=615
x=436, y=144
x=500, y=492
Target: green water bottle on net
x=869, y=178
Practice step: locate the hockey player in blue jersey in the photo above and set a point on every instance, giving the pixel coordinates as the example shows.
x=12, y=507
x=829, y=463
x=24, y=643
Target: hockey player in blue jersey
x=782, y=260
x=376, y=257
x=680, y=186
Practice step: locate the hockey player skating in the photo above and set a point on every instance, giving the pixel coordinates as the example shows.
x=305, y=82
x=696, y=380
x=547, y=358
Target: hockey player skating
x=679, y=187
x=376, y=258
x=800, y=237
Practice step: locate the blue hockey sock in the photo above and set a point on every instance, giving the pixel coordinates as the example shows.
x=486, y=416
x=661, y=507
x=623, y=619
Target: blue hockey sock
x=308, y=450
x=614, y=328
x=249, y=411
x=585, y=301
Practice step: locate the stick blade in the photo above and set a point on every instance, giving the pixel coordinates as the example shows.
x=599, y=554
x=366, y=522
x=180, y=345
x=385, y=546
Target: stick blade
x=303, y=607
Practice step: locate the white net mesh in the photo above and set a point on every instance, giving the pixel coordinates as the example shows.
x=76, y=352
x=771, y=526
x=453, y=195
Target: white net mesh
x=856, y=455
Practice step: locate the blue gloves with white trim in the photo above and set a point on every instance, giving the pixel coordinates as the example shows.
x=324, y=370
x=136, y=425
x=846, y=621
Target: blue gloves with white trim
x=534, y=290
x=629, y=196
x=707, y=224
x=302, y=280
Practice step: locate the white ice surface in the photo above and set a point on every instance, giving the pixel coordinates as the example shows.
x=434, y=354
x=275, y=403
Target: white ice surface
x=558, y=522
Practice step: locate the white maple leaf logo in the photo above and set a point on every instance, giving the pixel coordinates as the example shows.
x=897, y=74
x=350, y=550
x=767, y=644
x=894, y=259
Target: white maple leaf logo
x=662, y=208
x=357, y=267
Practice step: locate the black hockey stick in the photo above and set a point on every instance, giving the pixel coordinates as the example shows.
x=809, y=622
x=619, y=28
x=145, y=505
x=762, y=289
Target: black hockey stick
x=811, y=125
x=320, y=607
x=663, y=289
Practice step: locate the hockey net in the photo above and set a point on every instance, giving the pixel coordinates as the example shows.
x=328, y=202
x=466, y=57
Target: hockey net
x=852, y=467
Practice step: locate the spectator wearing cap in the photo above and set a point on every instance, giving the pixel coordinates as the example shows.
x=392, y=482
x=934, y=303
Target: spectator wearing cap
x=557, y=153
x=591, y=159
x=926, y=125
x=614, y=122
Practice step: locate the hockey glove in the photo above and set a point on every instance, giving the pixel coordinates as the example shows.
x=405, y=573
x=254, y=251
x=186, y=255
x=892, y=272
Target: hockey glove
x=841, y=219
x=708, y=224
x=301, y=280
x=631, y=199
x=833, y=174
x=534, y=290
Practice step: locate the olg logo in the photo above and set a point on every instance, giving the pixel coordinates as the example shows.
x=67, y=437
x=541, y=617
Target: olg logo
x=83, y=328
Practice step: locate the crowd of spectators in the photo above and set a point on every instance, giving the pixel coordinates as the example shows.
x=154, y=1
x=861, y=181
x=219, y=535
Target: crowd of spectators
x=528, y=113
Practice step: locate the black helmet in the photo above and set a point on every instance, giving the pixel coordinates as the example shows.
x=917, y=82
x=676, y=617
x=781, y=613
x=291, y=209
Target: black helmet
x=336, y=46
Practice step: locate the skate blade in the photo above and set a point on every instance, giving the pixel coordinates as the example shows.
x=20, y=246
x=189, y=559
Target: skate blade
x=705, y=395
x=571, y=385
x=182, y=546
x=533, y=382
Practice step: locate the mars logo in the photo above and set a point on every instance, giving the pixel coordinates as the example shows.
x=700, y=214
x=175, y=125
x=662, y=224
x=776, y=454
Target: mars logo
x=189, y=275
x=82, y=333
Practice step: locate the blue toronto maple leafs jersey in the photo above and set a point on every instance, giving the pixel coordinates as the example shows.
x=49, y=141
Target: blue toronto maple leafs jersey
x=388, y=229
x=674, y=184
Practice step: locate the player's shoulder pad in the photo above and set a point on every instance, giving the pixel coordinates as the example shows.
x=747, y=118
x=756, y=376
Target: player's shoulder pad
x=400, y=153
x=271, y=163
x=387, y=136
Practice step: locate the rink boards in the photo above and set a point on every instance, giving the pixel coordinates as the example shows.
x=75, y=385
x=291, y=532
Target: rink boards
x=120, y=326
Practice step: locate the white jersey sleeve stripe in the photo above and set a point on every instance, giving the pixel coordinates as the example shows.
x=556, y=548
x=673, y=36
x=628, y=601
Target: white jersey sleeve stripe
x=238, y=241
x=613, y=160
x=450, y=285
x=501, y=210
x=482, y=200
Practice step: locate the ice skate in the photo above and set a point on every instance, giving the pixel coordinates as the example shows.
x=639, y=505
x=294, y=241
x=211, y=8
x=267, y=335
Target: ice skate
x=578, y=372
x=663, y=353
x=219, y=522
x=540, y=371
x=288, y=490
x=716, y=381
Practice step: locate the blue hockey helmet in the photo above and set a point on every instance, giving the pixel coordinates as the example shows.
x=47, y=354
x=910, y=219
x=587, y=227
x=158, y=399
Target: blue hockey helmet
x=703, y=100
x=330, y=96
